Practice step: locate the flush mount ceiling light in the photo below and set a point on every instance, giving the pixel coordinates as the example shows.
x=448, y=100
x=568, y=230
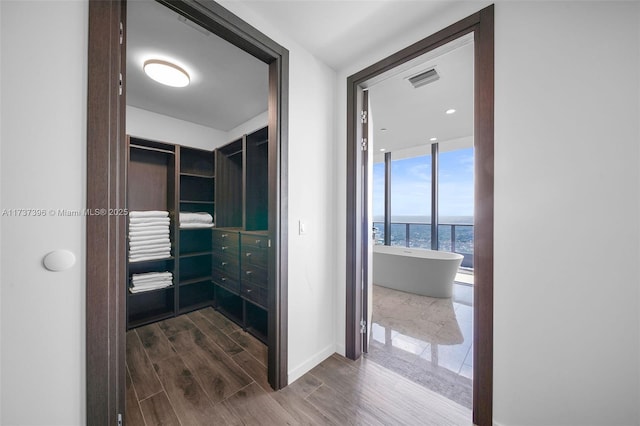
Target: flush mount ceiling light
x=166, y=73
x=382, y=149
x=433, y=139
x=450, y=111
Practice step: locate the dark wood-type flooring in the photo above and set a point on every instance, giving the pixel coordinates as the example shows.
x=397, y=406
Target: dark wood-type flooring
x=202, y=369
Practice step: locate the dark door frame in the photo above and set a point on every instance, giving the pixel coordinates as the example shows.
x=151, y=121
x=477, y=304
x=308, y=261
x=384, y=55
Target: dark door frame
x=481, y=24
x=106, y=168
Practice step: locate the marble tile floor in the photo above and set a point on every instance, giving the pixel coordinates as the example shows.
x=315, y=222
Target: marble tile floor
x=426, y=340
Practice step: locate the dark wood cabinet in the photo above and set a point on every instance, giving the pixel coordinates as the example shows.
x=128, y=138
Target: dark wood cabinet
x=225, y=266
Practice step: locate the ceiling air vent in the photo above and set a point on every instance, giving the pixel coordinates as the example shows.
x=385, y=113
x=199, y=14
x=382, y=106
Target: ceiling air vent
x=424, y=77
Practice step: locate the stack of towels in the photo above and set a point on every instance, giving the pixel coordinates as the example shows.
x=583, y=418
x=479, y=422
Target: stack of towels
x=149, y=235
x=190, y=220
x=150, y=281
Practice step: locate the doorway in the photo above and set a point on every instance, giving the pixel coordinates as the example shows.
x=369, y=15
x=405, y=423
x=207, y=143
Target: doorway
x=358, y=222
x=106, y=159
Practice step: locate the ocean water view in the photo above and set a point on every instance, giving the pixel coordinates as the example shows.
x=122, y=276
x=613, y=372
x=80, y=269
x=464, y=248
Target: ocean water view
x=455, y=233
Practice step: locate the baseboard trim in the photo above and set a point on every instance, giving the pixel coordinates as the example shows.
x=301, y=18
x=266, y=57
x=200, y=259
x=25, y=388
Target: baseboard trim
x=306, y=366
x=340, y=349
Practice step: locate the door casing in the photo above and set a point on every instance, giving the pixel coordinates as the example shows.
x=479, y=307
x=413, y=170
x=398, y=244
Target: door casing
x=481, y=24
x=106, y=168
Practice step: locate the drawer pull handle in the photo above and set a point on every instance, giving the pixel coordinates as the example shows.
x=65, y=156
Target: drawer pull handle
x=248, y=254
x=224, y=263
x=223, y=279
x=249, y=272
x=224, y=248
x=258, y=242
x=249, y=290
x=223, y=236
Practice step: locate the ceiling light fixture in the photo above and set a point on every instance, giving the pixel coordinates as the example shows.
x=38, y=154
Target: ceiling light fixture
x=433, y=139
x=450, y=111
x=384, y=129
x=382, y=149
x=166, y=73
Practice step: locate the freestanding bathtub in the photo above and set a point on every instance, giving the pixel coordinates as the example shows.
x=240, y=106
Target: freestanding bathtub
x=419, y=271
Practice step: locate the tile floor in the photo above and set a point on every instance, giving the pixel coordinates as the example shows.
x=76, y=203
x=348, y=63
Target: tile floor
x=427, y=340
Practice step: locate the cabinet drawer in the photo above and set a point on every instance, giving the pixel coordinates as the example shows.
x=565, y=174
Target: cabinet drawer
x=227, y=264
x=255, y=274
x=229, y=249
x=255, y=240
x=253, y=256
x=254, y=293
x=225, y=241
x=224, y=280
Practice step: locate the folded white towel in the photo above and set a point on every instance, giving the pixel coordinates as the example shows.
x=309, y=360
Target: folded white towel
x=141, y=238
x=149, y=222
x=162, y=231
x=149, y=213
x=137, y=278
x=151, y=275
x=150, y=281
x=150, y=249
x=143, y=289
x=159, y=228
x=195, y=217
x=138, y=243
x=160, y=256
x=195, y=225
x=148, y=284
x=139, y=253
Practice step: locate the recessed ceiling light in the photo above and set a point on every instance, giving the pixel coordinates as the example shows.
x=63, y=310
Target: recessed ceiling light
x=166, y=73
x=433, y=139
x=382, y=149
x=450, y=111
x=384, y=129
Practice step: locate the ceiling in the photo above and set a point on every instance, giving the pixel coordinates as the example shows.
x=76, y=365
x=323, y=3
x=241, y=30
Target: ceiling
x=228, y=86
x=412, y=116
x=339, y=31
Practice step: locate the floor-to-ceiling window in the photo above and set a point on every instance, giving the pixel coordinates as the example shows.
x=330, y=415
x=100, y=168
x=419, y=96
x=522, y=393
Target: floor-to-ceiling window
x=412, y=185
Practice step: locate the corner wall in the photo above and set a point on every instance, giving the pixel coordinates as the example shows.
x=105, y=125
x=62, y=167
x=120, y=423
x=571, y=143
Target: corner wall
x=162, y=128
x=311, y=199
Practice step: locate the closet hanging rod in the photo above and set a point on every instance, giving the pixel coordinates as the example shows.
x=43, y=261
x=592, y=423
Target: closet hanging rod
x=235, y=153
x=148, y=148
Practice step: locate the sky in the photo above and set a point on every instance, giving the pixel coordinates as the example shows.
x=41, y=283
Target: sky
x=411, y=185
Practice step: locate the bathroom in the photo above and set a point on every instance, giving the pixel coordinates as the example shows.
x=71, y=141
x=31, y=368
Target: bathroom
x=421, y=213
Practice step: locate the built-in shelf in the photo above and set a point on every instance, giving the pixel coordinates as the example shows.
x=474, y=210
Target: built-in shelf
x=196, y=280
x=140, y=293
x=195, y=254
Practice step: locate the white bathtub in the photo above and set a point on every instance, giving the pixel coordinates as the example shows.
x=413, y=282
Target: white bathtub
x=419, y=271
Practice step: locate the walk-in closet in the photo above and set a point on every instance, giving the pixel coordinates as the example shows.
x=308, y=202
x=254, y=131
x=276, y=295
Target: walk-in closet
x=198, y=239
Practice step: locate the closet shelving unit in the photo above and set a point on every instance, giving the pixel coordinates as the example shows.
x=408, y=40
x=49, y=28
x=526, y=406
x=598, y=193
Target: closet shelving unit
x=240, y=240
x=226, y=266
x=197, y=177
x=151, y=185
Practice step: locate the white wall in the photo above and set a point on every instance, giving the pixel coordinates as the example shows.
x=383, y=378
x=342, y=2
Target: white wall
x=311, y=199
x=251, y=125
x=43, y=115
x=162, y=128
x=567, y=329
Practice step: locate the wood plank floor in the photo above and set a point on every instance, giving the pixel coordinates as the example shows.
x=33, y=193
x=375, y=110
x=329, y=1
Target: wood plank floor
x=201, y=369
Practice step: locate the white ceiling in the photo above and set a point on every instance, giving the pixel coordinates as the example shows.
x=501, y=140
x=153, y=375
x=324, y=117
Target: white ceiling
x=339, y=31
x=414, y=115
x=228, y=86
